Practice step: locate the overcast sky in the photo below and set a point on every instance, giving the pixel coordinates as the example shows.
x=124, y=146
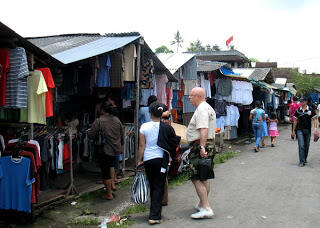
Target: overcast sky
x=285, y=31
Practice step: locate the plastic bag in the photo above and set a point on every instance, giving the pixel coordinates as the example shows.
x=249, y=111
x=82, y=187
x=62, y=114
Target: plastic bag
x=140, y=188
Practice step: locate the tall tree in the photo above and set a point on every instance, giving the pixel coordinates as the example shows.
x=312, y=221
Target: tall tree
x=216, y=48
x=163, y=49
x=177, y=40
x=196, y=46
x=305, y=84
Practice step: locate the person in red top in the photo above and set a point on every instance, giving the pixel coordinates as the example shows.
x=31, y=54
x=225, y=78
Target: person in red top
x=50, y=85
x=293, y=108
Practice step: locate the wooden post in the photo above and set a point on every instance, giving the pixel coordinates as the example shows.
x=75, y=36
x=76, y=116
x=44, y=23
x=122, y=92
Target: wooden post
x=124, y=152
x=71, y=189
x=136, y=126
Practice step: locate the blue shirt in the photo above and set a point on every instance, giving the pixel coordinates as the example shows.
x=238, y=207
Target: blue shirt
x=15, y=184
x=258, y=117
x=144, y=115
x=103, y=77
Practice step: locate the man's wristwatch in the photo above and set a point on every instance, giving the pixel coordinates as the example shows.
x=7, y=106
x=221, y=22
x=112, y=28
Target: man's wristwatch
x=202, y=147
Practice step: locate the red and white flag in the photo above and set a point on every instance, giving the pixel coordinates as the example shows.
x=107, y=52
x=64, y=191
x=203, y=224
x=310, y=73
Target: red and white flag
x=229, y=40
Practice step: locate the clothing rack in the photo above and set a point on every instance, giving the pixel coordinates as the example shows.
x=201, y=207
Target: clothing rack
x=71, y=189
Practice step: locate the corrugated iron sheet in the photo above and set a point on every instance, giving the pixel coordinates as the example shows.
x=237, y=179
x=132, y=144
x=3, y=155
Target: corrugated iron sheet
x=208, y=66
x=173, y=61
x=97, y=47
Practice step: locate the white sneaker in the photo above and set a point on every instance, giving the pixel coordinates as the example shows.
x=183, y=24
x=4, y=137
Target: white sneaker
x=197, y=207
x=203, y=213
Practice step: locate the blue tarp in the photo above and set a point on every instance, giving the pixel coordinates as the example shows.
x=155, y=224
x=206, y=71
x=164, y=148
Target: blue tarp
x=228, y=72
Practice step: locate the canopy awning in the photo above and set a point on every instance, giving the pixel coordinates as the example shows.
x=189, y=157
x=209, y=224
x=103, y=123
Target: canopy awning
x=229, y=73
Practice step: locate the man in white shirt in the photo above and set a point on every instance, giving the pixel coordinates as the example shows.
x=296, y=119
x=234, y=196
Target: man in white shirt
x=200, y=135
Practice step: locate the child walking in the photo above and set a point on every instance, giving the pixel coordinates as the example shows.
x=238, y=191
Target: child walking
x=273, y=128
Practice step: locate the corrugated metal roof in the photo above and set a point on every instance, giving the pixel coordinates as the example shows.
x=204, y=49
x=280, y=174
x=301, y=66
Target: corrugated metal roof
x=259, y=74
x=56, y=44
x=280, y=81
x=229, y=55
x=75, y=47
x=208, y=66
x=173, y=61
x=8, y=33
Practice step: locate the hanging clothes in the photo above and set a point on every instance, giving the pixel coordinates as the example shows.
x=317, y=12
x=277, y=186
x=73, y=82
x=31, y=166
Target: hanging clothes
x=103, y=75
x=16, y=85
x=233, y=116
x=116, y=71
x=147, y=78
x=189, y=85
x=223, y=87
x=130, y=55
x=15, y=184
x=161, y=88
x=50, y=85
x=37, y=89
x=205, y=84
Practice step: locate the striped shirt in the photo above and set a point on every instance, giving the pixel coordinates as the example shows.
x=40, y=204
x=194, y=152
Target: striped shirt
x=17, y=90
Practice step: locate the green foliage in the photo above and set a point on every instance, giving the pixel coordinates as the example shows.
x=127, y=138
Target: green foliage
x=85, y=221
x=177, y=40
x=254, y=60
x=135, y=209
x=163, y=49
x=196, y=46
x=305, y=84
x=179, y=180
x=223, y=157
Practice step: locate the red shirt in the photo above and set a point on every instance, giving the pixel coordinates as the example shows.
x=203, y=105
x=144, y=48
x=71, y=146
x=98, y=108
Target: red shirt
x=293, y=108
x=50, y=84
x=4, y=69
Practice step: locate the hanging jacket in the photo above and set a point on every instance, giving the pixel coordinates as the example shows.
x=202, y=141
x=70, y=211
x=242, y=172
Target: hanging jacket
x=168, y=141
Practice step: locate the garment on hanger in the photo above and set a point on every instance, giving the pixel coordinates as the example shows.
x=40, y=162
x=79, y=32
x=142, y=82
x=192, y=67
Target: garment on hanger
x=50, y=85
x=16, y=85
x=189, y=85
x=161, y=88
x=130, y=55
x=103, y=74
x=37, y=89
x=223, y=87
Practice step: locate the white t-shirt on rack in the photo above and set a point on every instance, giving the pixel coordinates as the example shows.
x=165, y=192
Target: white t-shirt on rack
x=151, y=132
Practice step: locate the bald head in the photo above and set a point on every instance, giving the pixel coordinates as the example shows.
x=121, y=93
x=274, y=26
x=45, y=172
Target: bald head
x=198, y=92
x=197, y=96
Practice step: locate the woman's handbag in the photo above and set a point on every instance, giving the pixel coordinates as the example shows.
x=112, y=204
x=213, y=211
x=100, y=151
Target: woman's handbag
x=140, y=188
x=99, y=141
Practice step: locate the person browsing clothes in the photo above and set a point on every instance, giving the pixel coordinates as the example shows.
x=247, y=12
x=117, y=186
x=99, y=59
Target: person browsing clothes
x=113, y=139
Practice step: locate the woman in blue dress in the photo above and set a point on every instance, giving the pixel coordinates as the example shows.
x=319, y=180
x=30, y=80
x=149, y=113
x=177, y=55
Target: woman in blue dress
x=265, y=130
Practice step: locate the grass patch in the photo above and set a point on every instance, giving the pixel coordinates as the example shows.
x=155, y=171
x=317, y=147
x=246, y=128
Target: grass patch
x=135, y=209
x=125, y=183
x=223, y=157
x=86, y=212
x=85, y=221
x=125, y=224
x=179, y=180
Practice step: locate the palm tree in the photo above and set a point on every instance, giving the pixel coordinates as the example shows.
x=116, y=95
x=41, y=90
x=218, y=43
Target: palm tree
x=177, y=40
